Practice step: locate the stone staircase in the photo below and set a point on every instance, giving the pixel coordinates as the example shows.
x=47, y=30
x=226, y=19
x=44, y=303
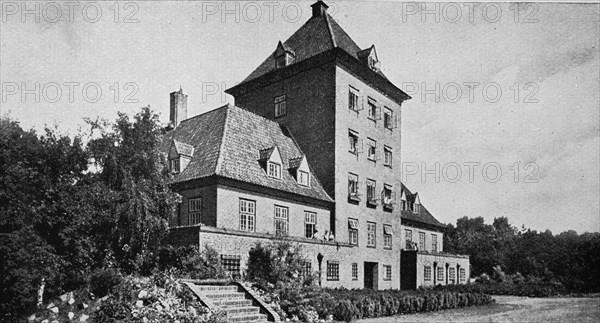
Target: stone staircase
x=240, y=304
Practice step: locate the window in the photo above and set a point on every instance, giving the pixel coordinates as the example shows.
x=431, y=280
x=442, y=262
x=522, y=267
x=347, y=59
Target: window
x=354, y=99
x=280, y=106
x=388, y=197
x=463, y=275
x=174, y=165
x=434, y=246
x=283, y=60
x=354, y=271
x=440, y=274
x=231, y=264
x=353, y=138
x=306, y=269
x=194, y=210
x=427, y=273
x=422, y=241
x=333, y=270
x=388, y=118
x=451, y=274
x=353, y=186
x=281, y=220
x=408, y=239
x=247, y=215
x=371, y=187
x=274, y=170
x=387, y=152
x=303, y=178
x=371, y=234
x=310, y=224
x=372, y=149
x=387, y=236
x=416, y=208
x=373, y=112
x=353, y=231
x=387, y=272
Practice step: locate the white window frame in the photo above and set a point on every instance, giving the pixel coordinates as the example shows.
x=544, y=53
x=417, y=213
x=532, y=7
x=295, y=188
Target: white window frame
x=388, y=118
x=274, y=170
x=247, y=215
x=353, y=231
x=416, y=208
x=387, y=236
x=422, y=241
x=371, y=234
x=452, y=275
x=175, y=165
x=440, y=273
x=434, y=242
x=371, y=191
x=303, y=178
x=387, y=272
x=354, y=103
x=280, y=106
x=353, y=141
x=373, y=109
x=387, y=156
x=371, y=149
x=194, y=210
x=282, y=220
x=352, y=184
x=427, y=273
x=310, y=219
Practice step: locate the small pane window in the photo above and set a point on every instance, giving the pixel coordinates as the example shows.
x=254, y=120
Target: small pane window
x=434, y=246
x=388, y=118
x=372, y=149
x=371, y=189
x=353, y=231
x=310, y=224
x=354, y=99
x=281, y=220
x=231, y=265
x=371, y=234
x=387, y=272
x=463, y=275
x=452, y=275
x=280, y=106
x=354, y=271
x=303, y=178
x=427, y=273
x=440, y=274
x=175, y=165
x=194, y=210
x=274, y=170
x=387, y=236
x=247, y=215
x=422, y=241
x=387, y=151
x=333, y=270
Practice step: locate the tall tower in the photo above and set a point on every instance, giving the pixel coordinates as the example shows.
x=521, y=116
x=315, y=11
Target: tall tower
x=178, y=111
x=345, y=115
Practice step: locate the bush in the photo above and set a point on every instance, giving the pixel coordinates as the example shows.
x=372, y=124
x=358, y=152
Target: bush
x=188, y=261
x=103, y=280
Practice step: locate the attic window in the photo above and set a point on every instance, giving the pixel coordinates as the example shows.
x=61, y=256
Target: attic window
x=303, y=178
x=175, y=165
x=416, y=208
x=283, y=60
x=274, y=170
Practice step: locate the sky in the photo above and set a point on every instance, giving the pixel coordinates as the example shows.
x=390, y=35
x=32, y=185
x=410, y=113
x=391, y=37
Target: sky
x=504, y=115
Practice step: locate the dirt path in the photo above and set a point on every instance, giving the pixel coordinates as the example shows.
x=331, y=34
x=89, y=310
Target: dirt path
x=512, y=309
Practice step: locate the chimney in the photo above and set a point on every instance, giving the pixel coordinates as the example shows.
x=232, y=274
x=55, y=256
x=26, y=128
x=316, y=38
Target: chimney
x=319, y=8
x=178, y=107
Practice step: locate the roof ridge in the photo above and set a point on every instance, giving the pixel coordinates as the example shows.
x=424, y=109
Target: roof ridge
x=222, y=144
x=327, y=23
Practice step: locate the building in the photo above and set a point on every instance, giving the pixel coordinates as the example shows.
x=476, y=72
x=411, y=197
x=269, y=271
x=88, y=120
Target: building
x=315, y=131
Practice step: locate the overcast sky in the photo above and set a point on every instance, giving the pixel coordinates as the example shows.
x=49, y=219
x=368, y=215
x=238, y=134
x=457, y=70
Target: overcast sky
x=518, y=86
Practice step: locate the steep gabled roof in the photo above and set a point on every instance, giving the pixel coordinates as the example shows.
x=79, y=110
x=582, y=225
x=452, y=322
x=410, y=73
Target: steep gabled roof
x=229, y=142
x=319, y=34
x=423, y=216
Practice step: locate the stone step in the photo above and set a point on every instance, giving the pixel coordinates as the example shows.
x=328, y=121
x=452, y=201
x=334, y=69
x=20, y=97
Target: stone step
x=247, y=310
x=233, y=303
x=226, y=296
x=217, y=288
x=247, y=318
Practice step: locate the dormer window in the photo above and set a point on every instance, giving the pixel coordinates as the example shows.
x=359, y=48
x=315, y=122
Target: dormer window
x=180, y=155
x=416, y=204
x=284, y=56
x=303, y=178
x=274, y=170
x=175, y=166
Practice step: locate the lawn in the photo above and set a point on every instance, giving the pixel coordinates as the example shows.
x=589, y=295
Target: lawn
x=512, y=309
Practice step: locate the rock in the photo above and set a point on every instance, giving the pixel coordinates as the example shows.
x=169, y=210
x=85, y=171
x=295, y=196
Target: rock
x=51, y=305
x=31, y=318
x=139, y=303
x=83, y=318
x=143, y=294
x=54, y=310
x=71, y=315
x=71, y=301
x=64, y=297
x=84, y=305
x=159, y=307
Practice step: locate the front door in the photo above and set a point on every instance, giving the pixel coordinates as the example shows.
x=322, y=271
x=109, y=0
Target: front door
x=370, y=277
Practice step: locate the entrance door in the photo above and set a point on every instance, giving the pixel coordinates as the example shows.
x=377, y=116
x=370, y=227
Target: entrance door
x=370, y=277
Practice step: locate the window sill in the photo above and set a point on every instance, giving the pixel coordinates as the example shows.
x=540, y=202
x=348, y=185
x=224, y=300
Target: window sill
x=388, y=166
x=353, y=199
x=372, y=247
x=333, y=279
x=372, y=159
x=388, y=207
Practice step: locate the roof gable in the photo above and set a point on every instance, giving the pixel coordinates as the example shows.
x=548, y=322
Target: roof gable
x=423, y=216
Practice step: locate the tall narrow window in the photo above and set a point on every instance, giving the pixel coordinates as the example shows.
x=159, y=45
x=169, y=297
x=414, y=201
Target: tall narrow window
x=371, y=234
x=353, y=139
x=354, y=271
x=427, y=273
x=281, y=220
x=371, y=189
x=354, y=99
x=310, y=224
x=387, y=236
x=452, y=275
x=353, y=231
x=175, y=165
x=388, y=119
x=440, y=274
x=373, y=112
x=387, y=151
x=194, y=210
x=387, y=272
x=333, y=270
x=303, y=178
x=421, y=241
x=408, y=239
x=306, y=269
x=416, y=208
x=247, y=215
x=388, y=197
x=434, y=245
x=463, y=276
x=372, y=149
x=280, y=106
x=353, y=187
x=274, y=170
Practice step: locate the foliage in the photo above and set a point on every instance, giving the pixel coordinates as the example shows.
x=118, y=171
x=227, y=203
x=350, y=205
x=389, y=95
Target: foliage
x=188, y=261
x=568, y=258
